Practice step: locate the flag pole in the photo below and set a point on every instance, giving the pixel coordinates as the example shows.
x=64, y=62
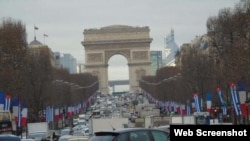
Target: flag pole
x=34, y=32
x=35, y=28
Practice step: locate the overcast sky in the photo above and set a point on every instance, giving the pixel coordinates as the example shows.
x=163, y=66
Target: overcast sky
x=65, y=20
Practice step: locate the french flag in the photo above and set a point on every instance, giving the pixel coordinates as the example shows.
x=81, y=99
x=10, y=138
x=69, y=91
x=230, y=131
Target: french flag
x=209, y=102
x=61, y=114
x=2, y=100
x=242, y=98
x=69, y=111
x=178, y=108
x=56, y=114
x=24, y=114
x=15, y=107
x=183, y=109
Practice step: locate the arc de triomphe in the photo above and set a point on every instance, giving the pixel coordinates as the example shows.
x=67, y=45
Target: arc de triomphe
x=131, y=42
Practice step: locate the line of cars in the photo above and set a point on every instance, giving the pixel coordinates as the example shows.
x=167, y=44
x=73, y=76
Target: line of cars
x=79, y=132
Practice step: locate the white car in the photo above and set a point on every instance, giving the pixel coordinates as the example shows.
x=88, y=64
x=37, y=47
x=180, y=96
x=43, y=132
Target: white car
x=75, y=121
x=65, y=138
x=78, y=127
x=81, y=122
x=27, y=139
x=81, y=132
x=66, y=131
x=37, y=136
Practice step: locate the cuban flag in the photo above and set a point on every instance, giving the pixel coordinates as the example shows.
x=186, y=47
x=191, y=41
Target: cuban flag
x=196, y=102
x=47, y=114
x=15, y=108
x=188, y=109
x=222, y=101
x=24, y=114
x=235, y=99
x=2, y=100
x=7, y=102
x=209, y=102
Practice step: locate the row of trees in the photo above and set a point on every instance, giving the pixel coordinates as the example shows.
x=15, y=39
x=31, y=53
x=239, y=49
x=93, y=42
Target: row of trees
x=31, y=76
x=215, y=59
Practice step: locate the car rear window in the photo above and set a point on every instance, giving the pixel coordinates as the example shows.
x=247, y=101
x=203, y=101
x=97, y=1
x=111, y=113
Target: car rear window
x=103, y=136
x=160, y=136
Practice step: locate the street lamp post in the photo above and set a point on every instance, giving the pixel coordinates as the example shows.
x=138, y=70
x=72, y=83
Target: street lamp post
x=248, y=109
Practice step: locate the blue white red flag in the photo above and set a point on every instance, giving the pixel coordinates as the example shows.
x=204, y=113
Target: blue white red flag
x=15, y=107
x=2, y=100
x=24, y=113
x=56, y=114
x=209, y=101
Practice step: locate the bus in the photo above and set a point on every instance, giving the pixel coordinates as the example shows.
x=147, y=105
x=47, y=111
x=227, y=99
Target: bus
x=7, y=122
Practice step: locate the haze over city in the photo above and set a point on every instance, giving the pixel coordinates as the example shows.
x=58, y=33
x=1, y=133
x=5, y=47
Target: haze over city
x=64, y=22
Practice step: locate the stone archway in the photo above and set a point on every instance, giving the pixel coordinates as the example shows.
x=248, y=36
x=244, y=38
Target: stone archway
x=131, y=42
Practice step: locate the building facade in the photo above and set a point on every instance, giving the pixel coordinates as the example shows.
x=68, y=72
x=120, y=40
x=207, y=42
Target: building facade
x=36, y=47
x=156, y=61
x=170, y=49
x=68, y=62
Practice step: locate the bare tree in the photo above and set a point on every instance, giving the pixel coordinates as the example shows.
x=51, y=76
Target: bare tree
x=13, y=48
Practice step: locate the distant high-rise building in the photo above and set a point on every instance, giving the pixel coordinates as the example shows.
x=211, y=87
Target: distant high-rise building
x=170, y=49
x=69, y=62
x=156, y=61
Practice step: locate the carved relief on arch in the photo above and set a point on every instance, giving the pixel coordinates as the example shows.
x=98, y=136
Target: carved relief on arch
x=109, y=53
x=94, y=57
x=140, y=55
x=139, y=73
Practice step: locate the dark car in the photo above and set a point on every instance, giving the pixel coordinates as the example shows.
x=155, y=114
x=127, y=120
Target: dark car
x=131, y=134
x=9, y=137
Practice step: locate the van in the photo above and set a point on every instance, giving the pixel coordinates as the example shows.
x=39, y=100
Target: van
x=82, y=117
x=97, y=114
x=75, y=121
x=81, y=122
